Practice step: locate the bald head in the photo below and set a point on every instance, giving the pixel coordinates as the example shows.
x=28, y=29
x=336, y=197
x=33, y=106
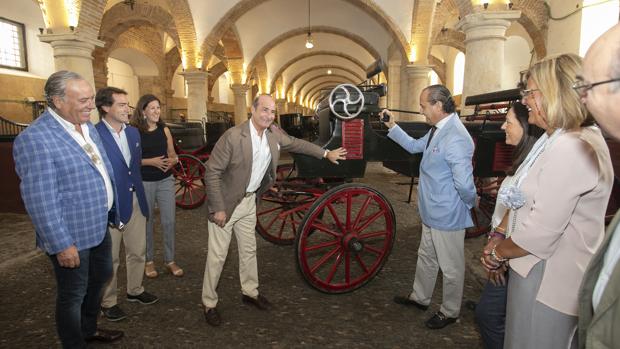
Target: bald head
x=602, y=63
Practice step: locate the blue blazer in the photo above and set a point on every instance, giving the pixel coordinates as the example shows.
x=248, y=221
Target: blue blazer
x=127, y=178
x=446, y=190
x=62, y=189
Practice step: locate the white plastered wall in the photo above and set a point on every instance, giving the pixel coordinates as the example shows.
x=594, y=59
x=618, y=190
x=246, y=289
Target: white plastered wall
x=122, y=75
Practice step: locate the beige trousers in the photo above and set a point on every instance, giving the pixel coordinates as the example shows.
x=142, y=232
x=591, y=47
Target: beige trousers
x=446, y=250
x=134, y=238
x=242, y=223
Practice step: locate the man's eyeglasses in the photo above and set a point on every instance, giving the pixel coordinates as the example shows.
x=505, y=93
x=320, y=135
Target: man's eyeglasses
x=91, y=153
x=526, y=92
x=582, y=87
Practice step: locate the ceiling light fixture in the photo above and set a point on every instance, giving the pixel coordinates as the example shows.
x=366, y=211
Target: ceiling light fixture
x=309, y=40
x=329, y=71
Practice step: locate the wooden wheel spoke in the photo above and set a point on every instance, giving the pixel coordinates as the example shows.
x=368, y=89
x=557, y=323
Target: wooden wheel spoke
x=324, y=229
x=335, y=215
x=269, y=211
x=361, y=263
x=324, y=259
x=373, y=250
x=370, y=220
x=334, y=268
x=348, y=222
x=372, y=235
x=321, y=245
x=362, y=211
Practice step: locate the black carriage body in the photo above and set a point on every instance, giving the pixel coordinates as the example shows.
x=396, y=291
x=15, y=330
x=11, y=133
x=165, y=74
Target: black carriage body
x=362, y=141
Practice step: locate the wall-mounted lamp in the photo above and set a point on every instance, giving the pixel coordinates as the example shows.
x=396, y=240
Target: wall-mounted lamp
x=510, y=4
x=485, y=5
x=329, y=71
x=41, y=31
x=72, y=28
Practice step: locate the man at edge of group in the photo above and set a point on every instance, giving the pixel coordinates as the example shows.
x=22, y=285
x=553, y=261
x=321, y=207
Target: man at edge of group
x=446, y=193
x=122, y=144
x=69, y=194
x=599, y=295
x=241, y=167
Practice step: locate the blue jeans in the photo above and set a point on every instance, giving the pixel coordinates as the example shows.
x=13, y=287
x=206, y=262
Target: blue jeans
x=162, y=192
x=491, y=315
x=79, y=292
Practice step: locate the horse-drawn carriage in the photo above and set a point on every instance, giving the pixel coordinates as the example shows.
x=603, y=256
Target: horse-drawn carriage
x=343, y=231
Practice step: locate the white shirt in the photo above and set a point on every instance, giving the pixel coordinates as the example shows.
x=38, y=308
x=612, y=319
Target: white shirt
x=612, y=255
x=261, y=157
x=121, y=140
x=82, y=140
x=441, y=123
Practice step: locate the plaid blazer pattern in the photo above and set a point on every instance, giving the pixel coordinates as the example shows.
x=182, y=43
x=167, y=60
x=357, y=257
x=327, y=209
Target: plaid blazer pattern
x=63, y=191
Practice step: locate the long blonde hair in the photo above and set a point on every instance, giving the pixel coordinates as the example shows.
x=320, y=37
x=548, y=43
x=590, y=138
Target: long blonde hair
x=554, y=77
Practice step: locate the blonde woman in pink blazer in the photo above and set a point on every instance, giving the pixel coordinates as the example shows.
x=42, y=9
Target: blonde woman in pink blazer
x=559, y=202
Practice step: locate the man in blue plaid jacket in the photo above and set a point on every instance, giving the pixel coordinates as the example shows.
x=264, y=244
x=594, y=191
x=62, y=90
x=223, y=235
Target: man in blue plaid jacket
x=67, y=188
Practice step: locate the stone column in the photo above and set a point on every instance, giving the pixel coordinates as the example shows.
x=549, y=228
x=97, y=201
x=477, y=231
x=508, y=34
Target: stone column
x=484, y=44
x=196, y=94
x=418, y=80
x=241, y=107
x=74, y=53
x=169, y=98
x=393, y=95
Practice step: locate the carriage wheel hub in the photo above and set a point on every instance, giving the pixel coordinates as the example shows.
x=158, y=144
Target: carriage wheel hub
x=352, y=243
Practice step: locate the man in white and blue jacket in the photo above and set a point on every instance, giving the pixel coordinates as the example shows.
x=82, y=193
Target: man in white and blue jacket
x=68, y=190
x=122, y=144
x=446, y=194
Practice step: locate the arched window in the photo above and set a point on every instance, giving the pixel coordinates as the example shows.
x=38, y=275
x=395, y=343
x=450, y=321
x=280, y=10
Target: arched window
x=459, y=73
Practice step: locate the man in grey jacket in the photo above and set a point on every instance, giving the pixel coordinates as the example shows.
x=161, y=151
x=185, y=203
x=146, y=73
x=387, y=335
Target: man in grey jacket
x=241, y=167
x=599, y=296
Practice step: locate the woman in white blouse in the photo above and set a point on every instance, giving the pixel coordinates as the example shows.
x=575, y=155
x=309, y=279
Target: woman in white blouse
x=559, y=203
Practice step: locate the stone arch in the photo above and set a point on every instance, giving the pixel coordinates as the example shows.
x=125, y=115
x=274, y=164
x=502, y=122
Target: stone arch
x=318, y=67
x=184, y=22
x=464, y=7
x=315, y=92
x=452, y=38
x=120, y=17
x=310, y=54
x=214, y=74
x=318, y=29
x=333, y=76
x=243, y=6
x=89, y=19
x=438, y=66
x=232, y=44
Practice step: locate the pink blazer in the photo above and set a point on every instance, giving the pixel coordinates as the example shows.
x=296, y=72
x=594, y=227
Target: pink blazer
x=562, y=221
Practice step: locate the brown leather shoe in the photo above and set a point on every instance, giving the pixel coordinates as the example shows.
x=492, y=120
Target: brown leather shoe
x=260, y=302
x=105, y=336
x=212, y=316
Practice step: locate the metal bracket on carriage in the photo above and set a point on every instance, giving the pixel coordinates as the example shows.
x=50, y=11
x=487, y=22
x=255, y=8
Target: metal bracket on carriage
x=345, y=94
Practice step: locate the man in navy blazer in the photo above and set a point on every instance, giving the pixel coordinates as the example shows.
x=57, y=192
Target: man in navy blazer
x=446, y=193
x=68, y=191
x=122, y=144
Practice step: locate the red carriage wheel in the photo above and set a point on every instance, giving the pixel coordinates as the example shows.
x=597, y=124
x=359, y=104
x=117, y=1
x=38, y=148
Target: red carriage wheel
x=279, y=214
x=190, y=190
x=345, y=238
x=487, y=189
